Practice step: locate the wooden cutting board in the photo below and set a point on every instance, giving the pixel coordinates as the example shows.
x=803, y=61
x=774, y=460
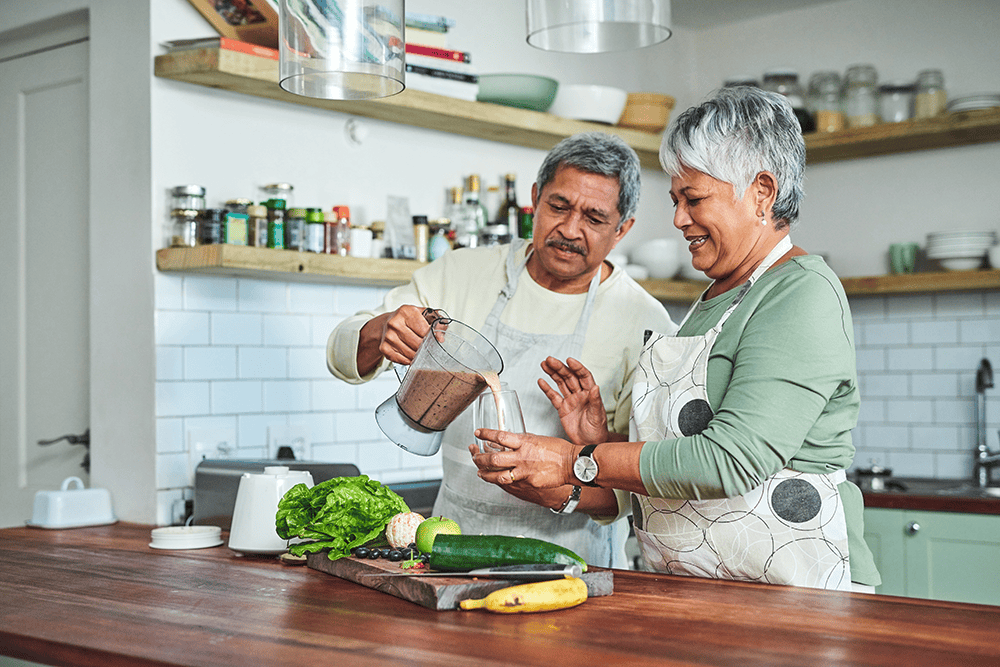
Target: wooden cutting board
x=434, y=592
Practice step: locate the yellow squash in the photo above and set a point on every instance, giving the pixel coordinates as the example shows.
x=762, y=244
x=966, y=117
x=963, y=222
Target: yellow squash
x=537, y=596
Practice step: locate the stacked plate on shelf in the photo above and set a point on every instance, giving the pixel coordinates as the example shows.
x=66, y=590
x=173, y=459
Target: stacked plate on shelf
x=959, y=251
x=973, y=102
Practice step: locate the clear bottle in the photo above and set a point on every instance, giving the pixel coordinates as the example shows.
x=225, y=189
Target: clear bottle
x=786, y=82
x=931, y=98
x=826, y=101
x=184, y=228
x=295, y=229
x=509, y=212
x=188, y=197
x=421, y=237
x=861, y=96
x=471, y=216
x=257, y=232
x=895, y=102
x=315, y=230
x=342, y=230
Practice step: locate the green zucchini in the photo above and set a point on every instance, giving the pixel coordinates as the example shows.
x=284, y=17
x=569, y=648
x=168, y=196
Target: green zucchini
x=461, y=553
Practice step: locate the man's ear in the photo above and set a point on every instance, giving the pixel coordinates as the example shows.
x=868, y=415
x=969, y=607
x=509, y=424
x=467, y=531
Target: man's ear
x=623, y=230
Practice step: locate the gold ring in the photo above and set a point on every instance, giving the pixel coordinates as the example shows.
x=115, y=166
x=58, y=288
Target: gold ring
x=512, y=476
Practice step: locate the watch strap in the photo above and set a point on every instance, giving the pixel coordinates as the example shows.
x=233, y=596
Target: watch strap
x=587, y=452
x=571, y=502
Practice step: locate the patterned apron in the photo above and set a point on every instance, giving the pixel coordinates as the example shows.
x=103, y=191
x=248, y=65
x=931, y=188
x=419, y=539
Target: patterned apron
x=480, y=507
x=789, y=530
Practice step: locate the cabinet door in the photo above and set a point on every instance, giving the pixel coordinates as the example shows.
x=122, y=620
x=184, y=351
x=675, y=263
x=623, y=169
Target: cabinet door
x=884, y=535
x=953, y=557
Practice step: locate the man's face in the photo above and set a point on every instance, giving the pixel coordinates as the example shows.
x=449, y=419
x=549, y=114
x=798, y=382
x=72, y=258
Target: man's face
x=575, y=227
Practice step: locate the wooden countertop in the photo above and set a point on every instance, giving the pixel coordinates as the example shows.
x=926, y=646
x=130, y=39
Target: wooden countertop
x=100, y=596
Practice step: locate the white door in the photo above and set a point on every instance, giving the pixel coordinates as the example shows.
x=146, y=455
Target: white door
x=44, y=273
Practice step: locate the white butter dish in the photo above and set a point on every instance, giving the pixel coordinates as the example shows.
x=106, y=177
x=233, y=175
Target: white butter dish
x=75, y=507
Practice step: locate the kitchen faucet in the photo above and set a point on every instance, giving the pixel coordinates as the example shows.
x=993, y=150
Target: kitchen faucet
x=985, y=459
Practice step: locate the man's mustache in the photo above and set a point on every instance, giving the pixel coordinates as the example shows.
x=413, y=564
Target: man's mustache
x=563, y=244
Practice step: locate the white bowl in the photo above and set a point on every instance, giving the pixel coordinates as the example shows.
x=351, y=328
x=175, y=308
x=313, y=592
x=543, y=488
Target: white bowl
x=72, y=507
x=617, y=258
x=599, y=104
x=961, y=263
x=637, y=272
x=659, y=256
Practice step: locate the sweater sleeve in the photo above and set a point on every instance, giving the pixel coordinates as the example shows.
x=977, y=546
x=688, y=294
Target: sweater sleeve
x=792, y=362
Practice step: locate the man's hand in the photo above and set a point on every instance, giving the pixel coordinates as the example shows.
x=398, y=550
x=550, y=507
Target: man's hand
x=578, y=401
x=394, y=336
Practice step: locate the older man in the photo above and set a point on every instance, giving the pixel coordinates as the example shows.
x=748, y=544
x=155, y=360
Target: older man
x=555, y=297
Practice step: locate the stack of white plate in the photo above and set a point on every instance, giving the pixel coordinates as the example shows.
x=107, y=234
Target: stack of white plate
x=959, y=251
x=973, y=102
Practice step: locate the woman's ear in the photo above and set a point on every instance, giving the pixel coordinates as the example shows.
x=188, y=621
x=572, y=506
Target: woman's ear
x=766, y=190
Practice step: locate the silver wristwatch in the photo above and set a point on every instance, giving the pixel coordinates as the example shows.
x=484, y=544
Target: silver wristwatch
x=571, y=502
x=585, y=467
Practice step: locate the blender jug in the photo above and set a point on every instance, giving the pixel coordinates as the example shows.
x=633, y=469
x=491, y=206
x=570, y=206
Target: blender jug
x=445, y=377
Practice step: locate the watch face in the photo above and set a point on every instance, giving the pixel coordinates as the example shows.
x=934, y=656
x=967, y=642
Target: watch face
x=585, y=469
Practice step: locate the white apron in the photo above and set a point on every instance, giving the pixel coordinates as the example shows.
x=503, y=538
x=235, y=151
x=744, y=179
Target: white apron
x=789, y=530
x=483, y=508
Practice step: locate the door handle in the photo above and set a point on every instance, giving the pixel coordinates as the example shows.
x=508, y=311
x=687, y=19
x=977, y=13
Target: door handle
x=912, y=528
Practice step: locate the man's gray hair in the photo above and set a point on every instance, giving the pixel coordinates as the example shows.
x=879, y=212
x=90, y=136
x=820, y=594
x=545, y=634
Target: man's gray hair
x=597, y=153
x=734, y=136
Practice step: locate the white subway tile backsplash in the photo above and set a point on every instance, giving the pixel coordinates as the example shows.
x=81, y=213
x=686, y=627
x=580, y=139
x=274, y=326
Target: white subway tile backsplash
x=357, y=426
x=948, y=465
x=262, y=296
x=958, y=304
x=210, y=293
x=322, y=327
x=371, y=394
x=307, y=362
x=909, y=306
x=913, y=411
x=334, y=395
x=911, y=464
x=169, y=362
x=311, y=299
x=336, y=453
x=871, y=360
x=934, y=438
x=351, y=299
x=237, y=397
x=172, y=471
x=979, y=331
x=286, y=396
x=237, y=329
x=884, y=437
x=209, y=363
x=882, y=334
x=867, y=309
x=251, y=431
x=872, y=411
x=380, y=456
x=177, y=327
x=179, y=399
x=885, y=385
x=168, y=291
x=287, y=330
x=955, y=411
x=169, y=435
x=320, y=425
x=934, y=385
x=262, y=362
x=957, y=358
x=934, y=332
x=910, y=358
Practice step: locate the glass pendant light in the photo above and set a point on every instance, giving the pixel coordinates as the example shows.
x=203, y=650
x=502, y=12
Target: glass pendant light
x=597, y=26
x=341, y=49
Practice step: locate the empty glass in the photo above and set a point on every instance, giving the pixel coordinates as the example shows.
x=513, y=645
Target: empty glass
x=485, y=415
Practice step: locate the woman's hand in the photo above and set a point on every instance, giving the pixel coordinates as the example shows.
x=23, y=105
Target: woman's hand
x=530, y=462
x=578, y=401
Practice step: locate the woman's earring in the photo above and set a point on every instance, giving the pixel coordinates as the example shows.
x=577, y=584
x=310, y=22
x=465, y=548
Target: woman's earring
x=762, y=220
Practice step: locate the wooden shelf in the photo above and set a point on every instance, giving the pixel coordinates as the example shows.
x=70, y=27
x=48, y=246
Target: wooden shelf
x=253, y=75
x=269, y=264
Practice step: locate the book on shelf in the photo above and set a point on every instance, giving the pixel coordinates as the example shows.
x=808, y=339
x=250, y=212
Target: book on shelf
x=224, y=43
x=435, y=52
x=440, y=63
x=446, y=87
x=426, y=37
x=429, y=22
x=441, y=74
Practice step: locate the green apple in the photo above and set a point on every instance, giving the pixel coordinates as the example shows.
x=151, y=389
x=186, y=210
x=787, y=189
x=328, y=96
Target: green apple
x=430, y=528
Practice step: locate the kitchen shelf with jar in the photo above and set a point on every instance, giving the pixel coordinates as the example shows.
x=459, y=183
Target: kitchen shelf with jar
x=258, y=76
x=287, y=265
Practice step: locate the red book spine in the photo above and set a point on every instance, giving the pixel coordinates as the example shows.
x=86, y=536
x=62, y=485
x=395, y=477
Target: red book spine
x=435, y=52
x=246, y=47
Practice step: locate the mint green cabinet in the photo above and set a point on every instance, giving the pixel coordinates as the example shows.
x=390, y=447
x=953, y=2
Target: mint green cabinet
x=936, y=555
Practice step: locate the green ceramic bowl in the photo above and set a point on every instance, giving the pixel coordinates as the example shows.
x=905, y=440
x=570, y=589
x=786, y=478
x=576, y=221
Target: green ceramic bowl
x=524, y=91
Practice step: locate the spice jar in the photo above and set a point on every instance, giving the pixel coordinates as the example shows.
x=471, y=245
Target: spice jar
x=825, y=101
x=295, y=229
x=276, y=223
x=282, y=191
x=238, y=205
x=931, y=98
x=421, y=236
x=210, y=226
x=257, y=233
x=315, y=232
x=343, y=230
x=861, y=96
x=184, y=228
x=361, y=241
x=895, y=102
x=786, y=82
x=188, y=197
x=235, y=228
x=378, y=238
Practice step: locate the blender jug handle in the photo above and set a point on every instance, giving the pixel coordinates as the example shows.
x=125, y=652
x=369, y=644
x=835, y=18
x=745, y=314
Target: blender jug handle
x=432, y=315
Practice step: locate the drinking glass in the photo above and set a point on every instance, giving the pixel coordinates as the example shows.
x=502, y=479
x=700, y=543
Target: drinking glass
x=485, y=415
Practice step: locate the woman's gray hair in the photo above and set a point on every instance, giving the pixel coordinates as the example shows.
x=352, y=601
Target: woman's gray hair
x=597, y=153
x=734, y=136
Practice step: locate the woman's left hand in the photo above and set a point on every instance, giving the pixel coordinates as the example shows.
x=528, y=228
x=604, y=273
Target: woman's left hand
x=529, y=461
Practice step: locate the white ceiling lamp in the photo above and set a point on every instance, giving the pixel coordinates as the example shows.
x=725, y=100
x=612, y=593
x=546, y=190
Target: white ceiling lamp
x=597, y=26
x=341, y=49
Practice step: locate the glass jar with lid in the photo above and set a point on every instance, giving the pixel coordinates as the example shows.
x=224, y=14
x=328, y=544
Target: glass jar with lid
x=282, y=191
x=184, y=228
x=257, y=222
x=826, y=101
x=295, y=229
x=210, y=227
x=861, y=96
x=895, y=102
x=931, y=98
x=188, y=197
x=786, y=82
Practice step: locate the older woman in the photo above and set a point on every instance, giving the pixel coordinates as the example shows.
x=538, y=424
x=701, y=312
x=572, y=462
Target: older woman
x=741, y=422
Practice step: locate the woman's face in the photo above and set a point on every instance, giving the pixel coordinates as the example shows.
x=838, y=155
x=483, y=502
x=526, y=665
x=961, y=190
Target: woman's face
x=724, y=234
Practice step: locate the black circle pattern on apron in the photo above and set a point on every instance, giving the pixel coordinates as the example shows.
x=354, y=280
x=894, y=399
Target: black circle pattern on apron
x=694, y=416
x=795, y=500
